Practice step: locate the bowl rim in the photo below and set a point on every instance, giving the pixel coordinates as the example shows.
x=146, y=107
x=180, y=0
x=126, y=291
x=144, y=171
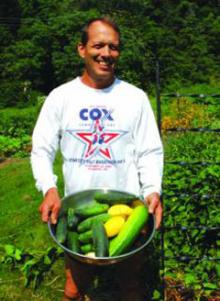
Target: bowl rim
x=106, y=258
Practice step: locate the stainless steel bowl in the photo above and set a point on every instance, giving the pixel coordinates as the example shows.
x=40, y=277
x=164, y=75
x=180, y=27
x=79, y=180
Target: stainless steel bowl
x=86, y=196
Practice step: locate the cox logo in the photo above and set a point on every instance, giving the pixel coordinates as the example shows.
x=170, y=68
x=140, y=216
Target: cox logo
x=94, y=114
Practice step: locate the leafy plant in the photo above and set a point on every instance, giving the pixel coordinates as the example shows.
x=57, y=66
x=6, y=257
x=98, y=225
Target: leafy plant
x=34, y=264
x=191, y=193
x=14, y=147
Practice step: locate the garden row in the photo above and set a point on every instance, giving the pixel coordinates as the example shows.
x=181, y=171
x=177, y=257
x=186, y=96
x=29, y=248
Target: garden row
x=191, y=199
x=191, y=190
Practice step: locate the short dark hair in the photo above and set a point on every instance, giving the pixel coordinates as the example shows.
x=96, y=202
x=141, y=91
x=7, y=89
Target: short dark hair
x=105, y=20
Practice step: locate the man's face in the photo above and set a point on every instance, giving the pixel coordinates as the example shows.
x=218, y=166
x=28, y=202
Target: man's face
x=100, y=53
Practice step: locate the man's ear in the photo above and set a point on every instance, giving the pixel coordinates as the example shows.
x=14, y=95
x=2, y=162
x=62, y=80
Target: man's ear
x=81, y=50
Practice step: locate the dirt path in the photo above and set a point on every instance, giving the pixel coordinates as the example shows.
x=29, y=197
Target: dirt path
x=6, y=161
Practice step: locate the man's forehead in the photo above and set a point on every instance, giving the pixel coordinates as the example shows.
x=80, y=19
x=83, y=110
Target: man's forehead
x=99, y=30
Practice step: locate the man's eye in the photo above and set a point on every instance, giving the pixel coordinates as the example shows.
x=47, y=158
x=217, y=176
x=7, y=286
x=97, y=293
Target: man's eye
x=98, y=46
x=114, y=47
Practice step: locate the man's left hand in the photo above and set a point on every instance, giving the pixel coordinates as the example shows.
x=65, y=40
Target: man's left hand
x=155, y=207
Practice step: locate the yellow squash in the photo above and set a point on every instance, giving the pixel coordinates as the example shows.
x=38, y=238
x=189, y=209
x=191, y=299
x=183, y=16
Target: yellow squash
x=136, y=203
x=114, y=225
x=120, y=209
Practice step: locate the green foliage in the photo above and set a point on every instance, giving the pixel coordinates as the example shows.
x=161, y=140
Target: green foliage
x=16, y=122
x=38, y=47
x=26, y=235
x=14, y=147
x=34, y=265
x=16, y=127
x=191, y=195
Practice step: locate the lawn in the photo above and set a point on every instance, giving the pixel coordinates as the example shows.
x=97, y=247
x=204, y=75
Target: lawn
x=22, y=229
x=21, y=226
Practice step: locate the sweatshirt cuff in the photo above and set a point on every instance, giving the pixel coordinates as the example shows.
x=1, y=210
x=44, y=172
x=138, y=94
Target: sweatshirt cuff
x=45, y=187
x=150, y=190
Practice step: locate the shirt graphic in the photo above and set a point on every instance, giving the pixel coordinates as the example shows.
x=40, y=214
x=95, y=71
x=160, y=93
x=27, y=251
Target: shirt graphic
x=98, y=140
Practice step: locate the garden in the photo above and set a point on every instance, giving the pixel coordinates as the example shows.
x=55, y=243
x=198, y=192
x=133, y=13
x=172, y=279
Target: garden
x=184, y=264
x=169, y=49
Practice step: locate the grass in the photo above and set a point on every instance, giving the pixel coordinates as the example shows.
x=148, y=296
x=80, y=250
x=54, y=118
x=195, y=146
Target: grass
x=12, y=286
x=201, y=88
x=21, y=226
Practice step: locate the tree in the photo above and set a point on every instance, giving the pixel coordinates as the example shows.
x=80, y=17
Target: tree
x=39, y=38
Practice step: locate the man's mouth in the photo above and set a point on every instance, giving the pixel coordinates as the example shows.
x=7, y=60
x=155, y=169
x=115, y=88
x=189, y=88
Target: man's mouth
x=105, y=63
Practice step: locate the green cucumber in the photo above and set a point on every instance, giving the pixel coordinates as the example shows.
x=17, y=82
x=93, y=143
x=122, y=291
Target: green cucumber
x=72, y=218
x=112, y=198
x=92, y=210
x=87, y=223
x=61, y=230
x=73, y=241
x=100, y=239
x=129, y=232
x=85, y=237
x=87, y=248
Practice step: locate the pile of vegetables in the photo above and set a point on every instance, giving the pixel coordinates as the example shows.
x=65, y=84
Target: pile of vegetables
x=108, y=226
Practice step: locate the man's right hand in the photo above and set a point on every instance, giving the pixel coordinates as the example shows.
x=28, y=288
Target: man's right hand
x=50, y=206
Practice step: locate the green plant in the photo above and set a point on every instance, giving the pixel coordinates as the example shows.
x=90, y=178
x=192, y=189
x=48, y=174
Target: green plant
x=34, y=264
x=191, y=192
x=16, y=122
x=15, y=147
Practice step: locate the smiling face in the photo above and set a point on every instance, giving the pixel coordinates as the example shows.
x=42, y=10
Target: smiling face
x=100, y=54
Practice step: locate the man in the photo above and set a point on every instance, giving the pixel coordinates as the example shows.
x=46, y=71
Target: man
x=105, y=129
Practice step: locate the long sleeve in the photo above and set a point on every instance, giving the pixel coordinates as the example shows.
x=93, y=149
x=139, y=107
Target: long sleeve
x=149, y=150
x=45, y=142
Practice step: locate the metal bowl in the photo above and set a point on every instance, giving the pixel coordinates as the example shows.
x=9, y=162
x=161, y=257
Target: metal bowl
x=86, y=196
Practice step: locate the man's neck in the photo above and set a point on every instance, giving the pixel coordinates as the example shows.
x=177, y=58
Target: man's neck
x=98, y=83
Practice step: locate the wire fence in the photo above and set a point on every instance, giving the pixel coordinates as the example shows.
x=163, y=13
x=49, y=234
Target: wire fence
x=202, y=99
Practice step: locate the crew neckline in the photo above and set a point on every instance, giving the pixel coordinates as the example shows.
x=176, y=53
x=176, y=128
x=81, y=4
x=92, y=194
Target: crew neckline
x=104, y=90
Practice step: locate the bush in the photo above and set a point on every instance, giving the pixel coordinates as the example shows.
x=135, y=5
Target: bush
x=15, y=122
x=14, y=147
x=16, y=127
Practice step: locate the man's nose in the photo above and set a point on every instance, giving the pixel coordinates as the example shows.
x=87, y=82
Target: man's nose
x=106, y=51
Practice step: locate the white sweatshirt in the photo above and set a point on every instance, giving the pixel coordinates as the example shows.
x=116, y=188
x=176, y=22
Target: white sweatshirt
x=108, y=139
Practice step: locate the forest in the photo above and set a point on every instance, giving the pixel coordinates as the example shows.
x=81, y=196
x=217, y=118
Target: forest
x=39, y=38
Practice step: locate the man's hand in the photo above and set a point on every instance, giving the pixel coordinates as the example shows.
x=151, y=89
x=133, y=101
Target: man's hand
x=50, y=206
x=155, y=207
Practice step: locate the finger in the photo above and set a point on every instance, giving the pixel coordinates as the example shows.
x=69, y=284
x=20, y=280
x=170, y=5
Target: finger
x=54, y=214
x=158, y=215
x=45, y=212
x=153, y=205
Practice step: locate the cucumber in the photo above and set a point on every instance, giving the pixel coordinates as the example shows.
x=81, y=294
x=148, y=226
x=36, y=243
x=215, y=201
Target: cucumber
x=73, y=241
x=87, y=248
x=92, y=210
x=85, y=237
x=129, y=232
x=113, y=198
x=100, y=239
x=61, y=230
x=72, y=219
x=86, y=202
x=87, y=223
